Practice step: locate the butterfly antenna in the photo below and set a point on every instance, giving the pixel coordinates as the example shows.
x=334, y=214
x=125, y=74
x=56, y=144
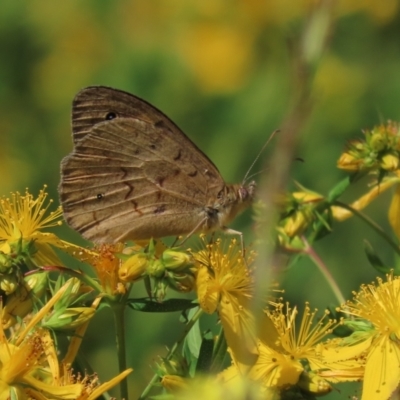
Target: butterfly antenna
x=256, y=173
x=246, y=177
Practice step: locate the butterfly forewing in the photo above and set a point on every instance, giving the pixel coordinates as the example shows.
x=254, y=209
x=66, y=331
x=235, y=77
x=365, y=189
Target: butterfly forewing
x=133, y=174
x=129, y=178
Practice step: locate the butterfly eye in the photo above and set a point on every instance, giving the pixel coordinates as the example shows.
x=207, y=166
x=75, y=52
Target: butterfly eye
x=111, y=115
x=99, y=196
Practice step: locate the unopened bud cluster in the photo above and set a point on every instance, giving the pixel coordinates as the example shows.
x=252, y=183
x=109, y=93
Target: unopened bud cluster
x=14, y=261
x=299, y=212
x=380, y=150
x=170, y=268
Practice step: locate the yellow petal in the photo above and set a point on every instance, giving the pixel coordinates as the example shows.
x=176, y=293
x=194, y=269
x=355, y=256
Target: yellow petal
x=206, y=293
x=341, y=214
x=239, y=330
x=394, y=212
x=275, y=369
x=67, y=392
x=382, y=372
x=337, y=352
x=109, y=384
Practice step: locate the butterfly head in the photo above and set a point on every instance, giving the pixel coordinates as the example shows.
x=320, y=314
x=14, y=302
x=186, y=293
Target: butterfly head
x=231, y=201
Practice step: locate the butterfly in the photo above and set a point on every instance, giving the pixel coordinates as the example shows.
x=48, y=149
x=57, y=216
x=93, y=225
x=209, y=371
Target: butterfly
x=133, y=174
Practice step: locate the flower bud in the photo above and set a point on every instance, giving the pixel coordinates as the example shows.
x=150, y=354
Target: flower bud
x=295, y=224
x=181, y=282
x=70, y=293
x=314, y=384
x=378, y=141
x=177, y=365
x=8, y=283
x=69, y=318
x=156, y=269
x=390, y=162
x=176, y=260
x=6, y=263
x=133, y=268
x=349, y=162
x=20, y=303
x=174, y=383
x=160, y=289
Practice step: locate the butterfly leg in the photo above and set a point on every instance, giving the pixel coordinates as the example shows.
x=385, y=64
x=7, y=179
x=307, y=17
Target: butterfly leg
x=195, y=229
x=174, y=244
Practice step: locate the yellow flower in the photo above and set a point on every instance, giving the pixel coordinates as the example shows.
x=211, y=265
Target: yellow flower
x=228, y=385
x=300, y=342
x=379, y=304
x=275, y=369
x=29, y=367
x=107, y=264
x=93, y=390
x=224, y=283
x=22, y=216
x=283, y=350
x=21, y=220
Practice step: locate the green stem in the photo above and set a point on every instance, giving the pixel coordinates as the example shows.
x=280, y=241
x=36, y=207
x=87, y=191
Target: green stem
x=119, y=319
x=309, y=250
x=372, y=224
x=172, y=351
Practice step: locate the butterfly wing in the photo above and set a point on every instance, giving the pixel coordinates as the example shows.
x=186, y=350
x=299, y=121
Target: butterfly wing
x=131, y=178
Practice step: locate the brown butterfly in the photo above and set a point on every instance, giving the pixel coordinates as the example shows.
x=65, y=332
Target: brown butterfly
x=133, y=174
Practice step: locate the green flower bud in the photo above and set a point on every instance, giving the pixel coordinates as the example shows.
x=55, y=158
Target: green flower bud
x=69, y=318
x=156, y=269
x=176, y=366
x=20, y=303
x=69, y=296
x=6, y=263
x=378, y=141
x=160, y=289
x=181, y=282
x=176, y=260
x=314, y=384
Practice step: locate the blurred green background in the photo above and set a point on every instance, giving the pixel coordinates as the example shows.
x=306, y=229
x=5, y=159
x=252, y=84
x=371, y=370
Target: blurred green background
x=221, y=70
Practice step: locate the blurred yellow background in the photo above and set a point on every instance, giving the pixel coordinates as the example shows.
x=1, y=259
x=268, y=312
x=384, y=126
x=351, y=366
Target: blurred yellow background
x=221, y=70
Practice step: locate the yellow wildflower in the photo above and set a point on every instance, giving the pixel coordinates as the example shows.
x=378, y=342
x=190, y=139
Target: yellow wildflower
x=283, y=350
x=379, y=150
x=30, y=369
x=22, y=219
x=107, y=264
x=224, y=283
x=379, y=304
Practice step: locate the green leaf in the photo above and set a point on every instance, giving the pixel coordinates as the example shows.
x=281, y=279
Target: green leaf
x=375, y=260
x=192, y=345
x=146, y=304
x=206, y=353
x=339, y=189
